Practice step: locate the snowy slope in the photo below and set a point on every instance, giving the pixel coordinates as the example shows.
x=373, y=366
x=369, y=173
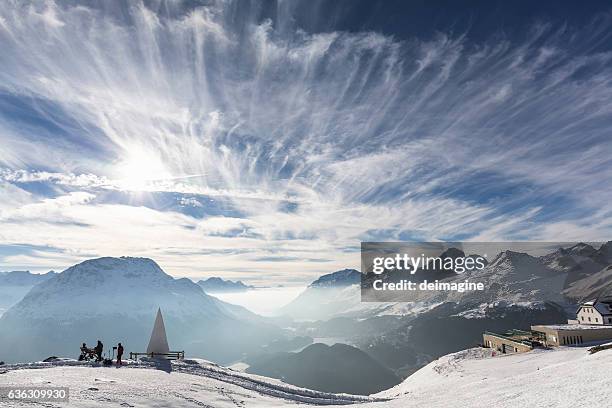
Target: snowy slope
x=186, y=384
x=564, y=378
x=561, y=378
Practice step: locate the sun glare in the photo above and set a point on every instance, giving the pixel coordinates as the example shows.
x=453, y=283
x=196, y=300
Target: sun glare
x=140, y=168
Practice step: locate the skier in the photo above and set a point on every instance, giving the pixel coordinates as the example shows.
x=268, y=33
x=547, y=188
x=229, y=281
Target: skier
x=98, y=350
x=119, y=354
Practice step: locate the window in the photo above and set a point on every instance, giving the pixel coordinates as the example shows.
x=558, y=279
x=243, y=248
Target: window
x=589, y=319
x=609, y=319
x=580, y=339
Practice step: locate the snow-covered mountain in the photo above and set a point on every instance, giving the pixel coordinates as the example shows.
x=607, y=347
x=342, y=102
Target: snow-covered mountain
x=327, y=296
x=338, y=279
x=108, y=286
x=579, y=261
x=23, y=278
x=115, y=299
x=218, y=285
x=516, y=278
x=510, y=278
x=513, y=277
x=470, y=378
x=520, y=290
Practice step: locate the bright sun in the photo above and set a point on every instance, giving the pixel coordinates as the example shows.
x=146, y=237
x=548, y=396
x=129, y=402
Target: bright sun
x=140, y=168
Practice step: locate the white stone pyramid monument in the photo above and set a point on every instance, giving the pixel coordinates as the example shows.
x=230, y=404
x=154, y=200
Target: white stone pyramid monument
x=158, y=342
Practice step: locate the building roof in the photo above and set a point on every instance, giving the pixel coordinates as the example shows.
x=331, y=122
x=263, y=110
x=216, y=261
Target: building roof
x=603, y=307
x=572, y=326
x=509, y=337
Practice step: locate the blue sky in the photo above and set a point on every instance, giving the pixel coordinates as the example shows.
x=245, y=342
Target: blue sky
x=264, y=140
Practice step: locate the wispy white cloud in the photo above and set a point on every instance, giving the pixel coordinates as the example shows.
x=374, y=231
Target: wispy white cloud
x=316, y=140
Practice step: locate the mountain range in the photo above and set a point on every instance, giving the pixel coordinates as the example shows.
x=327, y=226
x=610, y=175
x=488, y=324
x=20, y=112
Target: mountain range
x=218, y=285
x=325, y=297
x=14, y=286
x=115, y=300
x=521, y=290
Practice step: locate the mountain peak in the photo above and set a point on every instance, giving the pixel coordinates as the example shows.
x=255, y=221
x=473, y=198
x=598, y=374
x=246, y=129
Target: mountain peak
x=219, y=285
x=342, y=278
x=23, y=278
x=582, y=249
x=508, y=256
x=110, y=284
x=452, y=253
x=605, y=251
x=109, y=268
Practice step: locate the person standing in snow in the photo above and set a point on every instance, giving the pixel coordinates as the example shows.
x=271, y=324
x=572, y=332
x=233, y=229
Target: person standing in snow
x=119, y=353
x=98, y=350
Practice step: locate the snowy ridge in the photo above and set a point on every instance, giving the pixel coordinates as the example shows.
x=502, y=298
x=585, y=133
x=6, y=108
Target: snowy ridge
x=270, y=386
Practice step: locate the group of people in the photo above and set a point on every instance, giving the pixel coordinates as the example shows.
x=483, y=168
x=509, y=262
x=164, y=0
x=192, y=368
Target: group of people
x=96, y=352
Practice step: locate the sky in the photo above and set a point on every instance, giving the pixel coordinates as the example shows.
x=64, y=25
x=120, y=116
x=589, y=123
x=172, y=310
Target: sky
x=264, y=140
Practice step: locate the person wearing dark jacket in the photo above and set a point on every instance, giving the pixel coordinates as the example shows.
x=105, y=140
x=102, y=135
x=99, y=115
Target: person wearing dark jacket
x=119, y=353
x=98, y=350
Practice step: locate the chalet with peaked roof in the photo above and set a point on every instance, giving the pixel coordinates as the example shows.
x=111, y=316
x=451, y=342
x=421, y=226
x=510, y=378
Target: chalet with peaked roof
x=595, y=312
